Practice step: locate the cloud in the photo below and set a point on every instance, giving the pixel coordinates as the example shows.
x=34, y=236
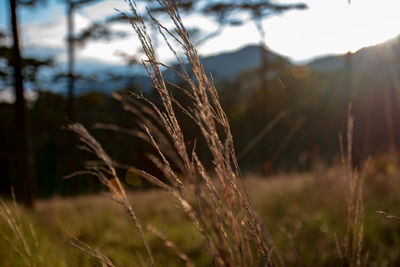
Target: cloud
x=46, y=37
x=7, y=95
x=104, y=9
x=39, y=34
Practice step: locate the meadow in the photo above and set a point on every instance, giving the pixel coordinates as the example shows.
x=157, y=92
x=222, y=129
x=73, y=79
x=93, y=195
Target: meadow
x=305, y=215
x=199, y=209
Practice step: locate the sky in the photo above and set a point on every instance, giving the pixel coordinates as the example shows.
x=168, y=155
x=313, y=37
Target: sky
x=327, y=27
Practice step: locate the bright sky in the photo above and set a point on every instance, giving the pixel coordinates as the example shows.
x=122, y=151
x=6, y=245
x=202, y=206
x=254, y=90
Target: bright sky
x=327, y=27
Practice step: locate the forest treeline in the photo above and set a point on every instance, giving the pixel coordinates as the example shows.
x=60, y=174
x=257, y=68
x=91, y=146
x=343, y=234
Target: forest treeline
x=283, y=117
x=291, y=125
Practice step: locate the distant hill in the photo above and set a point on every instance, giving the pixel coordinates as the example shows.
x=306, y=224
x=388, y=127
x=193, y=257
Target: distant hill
x=366, y=59
x=225, y=66
x=228, y=65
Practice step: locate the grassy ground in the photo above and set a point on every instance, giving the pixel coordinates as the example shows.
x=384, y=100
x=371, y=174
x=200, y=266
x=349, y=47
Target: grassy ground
x=304, y=215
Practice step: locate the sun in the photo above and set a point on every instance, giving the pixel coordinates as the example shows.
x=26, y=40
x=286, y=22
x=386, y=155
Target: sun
x=333, y=27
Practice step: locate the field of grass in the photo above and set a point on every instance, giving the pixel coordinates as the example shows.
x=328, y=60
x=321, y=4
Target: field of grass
x=205, y=216
x=305, y=216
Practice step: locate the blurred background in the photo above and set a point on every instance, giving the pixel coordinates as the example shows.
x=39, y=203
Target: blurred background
x=286, y=72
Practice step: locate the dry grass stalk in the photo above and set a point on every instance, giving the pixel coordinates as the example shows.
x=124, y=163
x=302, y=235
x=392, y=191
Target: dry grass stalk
x=388, y=215
x=171, y=245
x=29, y=253
x=351, y=248
x=91, y=251
x=221, y=211
x=107, y=175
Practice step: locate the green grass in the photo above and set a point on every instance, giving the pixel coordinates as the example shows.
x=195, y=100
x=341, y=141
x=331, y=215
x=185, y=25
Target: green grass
x=303, y=214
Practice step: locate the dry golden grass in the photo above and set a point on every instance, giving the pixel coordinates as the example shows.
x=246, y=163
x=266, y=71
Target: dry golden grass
x=224, y=224
x=221, y=209
x=303, y=214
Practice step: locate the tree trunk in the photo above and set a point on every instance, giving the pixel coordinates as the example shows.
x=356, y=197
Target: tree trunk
x=264, y=56
x=389, y=123
x=24, y=181
x=264, y=67
x=71, y=62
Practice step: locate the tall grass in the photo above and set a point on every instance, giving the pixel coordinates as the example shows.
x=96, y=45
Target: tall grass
x=221, y=209
x=25, y=243
x=351, y=247
x=214, y=199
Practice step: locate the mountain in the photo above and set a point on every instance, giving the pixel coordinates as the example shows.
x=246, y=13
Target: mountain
x=107, y=85
x=223, y=67
x=369, y=79
x=226, y=66
x=364, y=60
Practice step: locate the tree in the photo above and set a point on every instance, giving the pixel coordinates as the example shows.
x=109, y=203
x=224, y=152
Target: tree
x=24, y=182
x=96, y=31
x=71, y=6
